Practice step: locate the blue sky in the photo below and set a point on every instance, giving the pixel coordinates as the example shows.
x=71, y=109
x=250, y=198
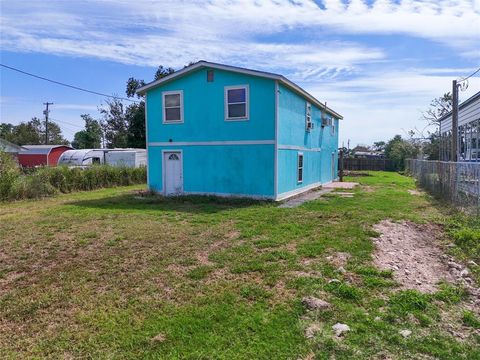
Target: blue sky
x=378, y=63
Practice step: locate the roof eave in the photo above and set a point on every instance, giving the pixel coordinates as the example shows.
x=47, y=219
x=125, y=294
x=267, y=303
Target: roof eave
x=142, y=90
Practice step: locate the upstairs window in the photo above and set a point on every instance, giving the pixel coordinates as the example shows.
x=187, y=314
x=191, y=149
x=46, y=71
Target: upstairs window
x=236, y=102
x=300, y=167
x=172, y=107
x=332, y=129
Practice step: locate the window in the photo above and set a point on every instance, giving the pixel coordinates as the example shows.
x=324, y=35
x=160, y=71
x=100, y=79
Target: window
x=173, y=157
x=332, y=129
x=308, y=117
x=172, y=107
x=236, y=103
x=300, y=167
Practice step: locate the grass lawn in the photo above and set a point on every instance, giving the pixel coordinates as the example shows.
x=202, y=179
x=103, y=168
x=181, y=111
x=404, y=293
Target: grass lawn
x=107, y=274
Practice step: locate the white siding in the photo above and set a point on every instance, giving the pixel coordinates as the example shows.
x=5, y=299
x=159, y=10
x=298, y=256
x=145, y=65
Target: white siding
x=466, y=114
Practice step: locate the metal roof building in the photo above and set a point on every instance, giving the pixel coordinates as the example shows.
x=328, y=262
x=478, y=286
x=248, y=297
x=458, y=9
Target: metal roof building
x=468, y=131
x=41, y=155
x=9, y=147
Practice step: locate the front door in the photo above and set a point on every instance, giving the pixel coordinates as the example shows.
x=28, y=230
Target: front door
x=173, y=176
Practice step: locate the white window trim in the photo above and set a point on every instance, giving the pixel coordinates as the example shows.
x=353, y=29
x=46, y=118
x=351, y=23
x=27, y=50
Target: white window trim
x=332, y=130
x=247, y=103
x=298, y=166
x=164, y=109
x=308, y=117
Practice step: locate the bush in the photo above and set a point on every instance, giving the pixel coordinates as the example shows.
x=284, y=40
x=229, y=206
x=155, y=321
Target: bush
x=47, y=181
x=9, y=172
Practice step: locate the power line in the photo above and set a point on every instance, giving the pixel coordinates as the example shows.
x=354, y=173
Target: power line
x=65, y=122
x=469, y=76
x=66, y=85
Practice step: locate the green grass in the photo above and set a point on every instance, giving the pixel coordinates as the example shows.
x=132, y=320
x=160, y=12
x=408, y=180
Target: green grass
x=101, y=274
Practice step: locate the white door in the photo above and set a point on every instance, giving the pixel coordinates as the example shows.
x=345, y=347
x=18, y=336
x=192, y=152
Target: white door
x=173, y=176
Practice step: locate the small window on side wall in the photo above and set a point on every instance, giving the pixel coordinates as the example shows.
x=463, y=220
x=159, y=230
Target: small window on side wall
x=300, y=167
x=172, y=107
x=210, y=75
x=236, y=103
x=308, y=117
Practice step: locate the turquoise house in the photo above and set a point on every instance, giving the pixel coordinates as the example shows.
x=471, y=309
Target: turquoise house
x=221, y=130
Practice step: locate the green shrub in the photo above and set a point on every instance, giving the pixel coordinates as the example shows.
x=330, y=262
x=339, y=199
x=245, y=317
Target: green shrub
x=9, y=172
x=47, y=181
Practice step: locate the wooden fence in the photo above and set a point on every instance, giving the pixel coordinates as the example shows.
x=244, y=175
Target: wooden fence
x=456, y=182
x=365, y=164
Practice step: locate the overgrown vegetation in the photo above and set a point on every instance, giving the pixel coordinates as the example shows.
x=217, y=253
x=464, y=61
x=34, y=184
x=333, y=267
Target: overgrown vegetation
x=205, y=278
x=48, y=181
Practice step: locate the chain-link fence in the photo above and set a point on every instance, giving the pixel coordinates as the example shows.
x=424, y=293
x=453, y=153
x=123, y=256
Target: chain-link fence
x=456, y=182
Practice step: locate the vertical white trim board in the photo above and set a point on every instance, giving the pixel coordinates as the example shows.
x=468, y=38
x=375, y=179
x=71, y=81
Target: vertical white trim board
x=275, y=165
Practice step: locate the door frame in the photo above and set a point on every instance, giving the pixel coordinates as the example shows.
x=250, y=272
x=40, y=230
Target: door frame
x=164, y=175
x=334, y=175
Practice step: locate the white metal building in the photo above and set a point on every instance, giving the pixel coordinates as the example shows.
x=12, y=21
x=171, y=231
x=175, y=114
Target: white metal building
x=468, y=131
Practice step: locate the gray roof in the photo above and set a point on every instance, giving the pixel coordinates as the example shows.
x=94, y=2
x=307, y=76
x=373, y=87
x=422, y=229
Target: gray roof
x=9, y=147
x=462, y=105
x=205, y=64
x=40, y=149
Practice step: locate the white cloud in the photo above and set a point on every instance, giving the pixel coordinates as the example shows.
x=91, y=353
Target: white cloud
x=153, y=32
x=300, y=39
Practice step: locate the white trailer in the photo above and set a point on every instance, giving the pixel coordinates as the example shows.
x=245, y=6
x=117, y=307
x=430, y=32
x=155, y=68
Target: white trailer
x=129, y=158
x=113, y=157
x=81, y=157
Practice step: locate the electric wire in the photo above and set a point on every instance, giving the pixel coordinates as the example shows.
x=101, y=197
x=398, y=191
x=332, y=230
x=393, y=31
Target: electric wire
x=67, y=85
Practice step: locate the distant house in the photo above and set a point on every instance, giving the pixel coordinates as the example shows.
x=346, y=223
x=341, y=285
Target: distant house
x=468, y=131
x=229, y=131
x=41, y=155
x=369, y=155
x=9, y=147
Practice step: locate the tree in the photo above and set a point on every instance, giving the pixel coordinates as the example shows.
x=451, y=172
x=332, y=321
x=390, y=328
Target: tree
x=115, y=124
x=431, y=147
x=135, y=117
x=28, y=133
x=91, y=137
x=438, y=107
x=398, y=150
x=162, y=72
x=379, y=145
x=6, y=131
x=55, y=136
x=32, y=133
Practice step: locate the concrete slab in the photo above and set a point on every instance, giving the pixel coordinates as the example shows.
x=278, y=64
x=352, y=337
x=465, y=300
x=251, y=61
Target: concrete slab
x=302, y=198
x=340, y=185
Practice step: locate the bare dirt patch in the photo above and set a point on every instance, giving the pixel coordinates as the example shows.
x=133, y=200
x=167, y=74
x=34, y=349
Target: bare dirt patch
x=339, y=259
x=410, y=250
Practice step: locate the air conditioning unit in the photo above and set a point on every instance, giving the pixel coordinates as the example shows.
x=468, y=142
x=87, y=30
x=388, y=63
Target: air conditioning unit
x=310, y=126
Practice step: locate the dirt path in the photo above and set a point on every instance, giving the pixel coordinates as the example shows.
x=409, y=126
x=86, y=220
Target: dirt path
x=411, y=252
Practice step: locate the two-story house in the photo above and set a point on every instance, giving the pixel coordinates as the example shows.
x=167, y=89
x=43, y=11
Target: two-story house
x=228, y=131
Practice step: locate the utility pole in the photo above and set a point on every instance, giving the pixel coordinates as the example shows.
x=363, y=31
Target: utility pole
x=454, y=156
x=46, y=111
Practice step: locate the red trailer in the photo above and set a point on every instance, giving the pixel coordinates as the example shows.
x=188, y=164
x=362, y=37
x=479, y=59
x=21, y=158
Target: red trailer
x=41, y=155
